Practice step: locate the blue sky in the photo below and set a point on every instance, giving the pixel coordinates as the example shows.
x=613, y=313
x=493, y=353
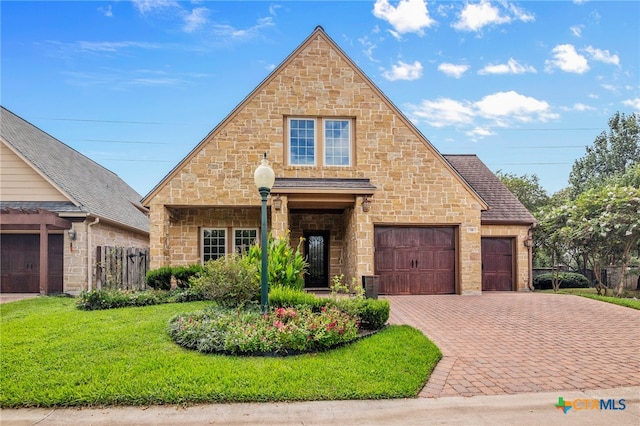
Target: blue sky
x=135, y=85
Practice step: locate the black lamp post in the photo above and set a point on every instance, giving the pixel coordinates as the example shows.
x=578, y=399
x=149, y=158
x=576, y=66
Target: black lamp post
x=264, y=178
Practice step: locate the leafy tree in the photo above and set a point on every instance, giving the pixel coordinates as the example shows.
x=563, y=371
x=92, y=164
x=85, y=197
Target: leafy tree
x=603, y=224
x=526, y=188
x=611, y=154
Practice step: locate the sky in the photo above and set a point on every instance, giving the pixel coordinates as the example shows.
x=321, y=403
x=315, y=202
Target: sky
x=136, y=85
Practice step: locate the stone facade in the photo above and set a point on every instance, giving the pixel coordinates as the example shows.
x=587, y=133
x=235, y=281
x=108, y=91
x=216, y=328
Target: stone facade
x=76, y=256
x=415, y=185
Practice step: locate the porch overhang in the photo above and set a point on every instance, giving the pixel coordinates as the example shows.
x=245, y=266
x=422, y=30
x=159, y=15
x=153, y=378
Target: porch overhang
x=322, y=193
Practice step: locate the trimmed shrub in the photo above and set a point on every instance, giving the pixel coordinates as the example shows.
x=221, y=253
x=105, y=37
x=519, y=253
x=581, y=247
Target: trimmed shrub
x=567, y=280
x=286, y=297
x=114, y=298
x=159, y=279
x=183, y=274
x=372, y=313
x=231, y=281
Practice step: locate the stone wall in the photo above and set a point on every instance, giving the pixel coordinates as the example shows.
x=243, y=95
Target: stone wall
x=415, y=186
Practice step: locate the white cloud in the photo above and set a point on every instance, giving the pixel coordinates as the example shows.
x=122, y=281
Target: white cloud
x=602, y=56
x=368, y=48
x=511, y=67
x=577, y=30
x=410, y=16
x=479, y=132
x=224, y=30
x=106, y=11
x=583, y=107
x=520, y=14
x=112, y=46
x=145, y=6
x=404, y=71
x=567, y=59
x=196, y=19
x=514, y=105
x=475, y=16
x=443, y=112
x=453, y=70
x=633, y=103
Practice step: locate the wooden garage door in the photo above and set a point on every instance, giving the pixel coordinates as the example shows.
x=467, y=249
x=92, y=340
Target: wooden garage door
x=415, y=260
x=20, y=257
x=497, y=264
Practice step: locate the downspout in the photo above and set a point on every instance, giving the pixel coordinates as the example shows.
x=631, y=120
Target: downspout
x=89, y=258
x=530, y=255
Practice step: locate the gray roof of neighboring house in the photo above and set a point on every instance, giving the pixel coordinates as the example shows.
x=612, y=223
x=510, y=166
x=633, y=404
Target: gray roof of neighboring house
x=503, y=205
x=95, y=189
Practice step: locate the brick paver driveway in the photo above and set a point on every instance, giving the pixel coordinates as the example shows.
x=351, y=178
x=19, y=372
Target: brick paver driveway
x=503, y=343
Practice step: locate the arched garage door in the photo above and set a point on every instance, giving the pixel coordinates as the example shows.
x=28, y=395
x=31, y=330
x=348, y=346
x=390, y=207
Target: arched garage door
x=415, y=260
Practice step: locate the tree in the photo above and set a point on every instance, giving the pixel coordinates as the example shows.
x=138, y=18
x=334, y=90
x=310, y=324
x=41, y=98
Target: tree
x=602, y=223
x=527, y=189
x=611, y=154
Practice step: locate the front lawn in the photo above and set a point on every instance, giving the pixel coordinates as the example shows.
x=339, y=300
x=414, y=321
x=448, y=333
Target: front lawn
x=629, y=302
x=56, y=355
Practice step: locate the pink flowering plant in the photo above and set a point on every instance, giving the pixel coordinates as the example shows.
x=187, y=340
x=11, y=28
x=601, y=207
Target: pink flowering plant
x=281, y=331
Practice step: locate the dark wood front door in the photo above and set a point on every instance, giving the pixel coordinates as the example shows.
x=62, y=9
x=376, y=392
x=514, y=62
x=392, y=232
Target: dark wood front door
x=415, y=260
x=316, y=246
x=497, y=264
x=20, y=257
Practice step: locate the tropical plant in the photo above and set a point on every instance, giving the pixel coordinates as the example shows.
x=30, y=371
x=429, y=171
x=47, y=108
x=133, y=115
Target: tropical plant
x=286, y=265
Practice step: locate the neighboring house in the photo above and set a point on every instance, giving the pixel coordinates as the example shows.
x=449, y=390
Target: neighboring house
x=56, y=207
x=365, y=189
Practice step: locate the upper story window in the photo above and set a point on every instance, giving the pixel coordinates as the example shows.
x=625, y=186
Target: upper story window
x=319, y=142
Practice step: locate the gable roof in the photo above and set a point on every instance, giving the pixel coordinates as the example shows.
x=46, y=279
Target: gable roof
x=504, y=207
x=318, y=33
x=91, y=188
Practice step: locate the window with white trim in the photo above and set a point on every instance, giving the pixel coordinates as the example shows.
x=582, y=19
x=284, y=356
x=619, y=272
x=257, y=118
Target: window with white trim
x=243, y=239
x=214, y=243
x=319, y=142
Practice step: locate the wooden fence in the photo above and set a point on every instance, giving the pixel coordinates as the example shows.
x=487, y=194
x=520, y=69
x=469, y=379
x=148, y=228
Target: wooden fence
x=121, y=267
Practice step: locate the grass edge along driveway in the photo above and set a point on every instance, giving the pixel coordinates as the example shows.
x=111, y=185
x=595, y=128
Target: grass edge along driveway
x=56, y=355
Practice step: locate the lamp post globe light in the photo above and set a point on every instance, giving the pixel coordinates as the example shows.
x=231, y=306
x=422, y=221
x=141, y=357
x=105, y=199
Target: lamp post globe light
x=264, y=177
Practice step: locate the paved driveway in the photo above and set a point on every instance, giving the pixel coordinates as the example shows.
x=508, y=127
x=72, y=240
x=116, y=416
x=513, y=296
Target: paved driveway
x=506, y=343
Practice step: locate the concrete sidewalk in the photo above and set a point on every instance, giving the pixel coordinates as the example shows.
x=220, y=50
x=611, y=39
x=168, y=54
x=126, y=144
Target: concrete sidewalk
x=519, y=409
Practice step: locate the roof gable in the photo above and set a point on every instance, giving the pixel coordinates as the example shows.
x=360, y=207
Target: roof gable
x=93, y=188
x=289, y=69
x=504, y=207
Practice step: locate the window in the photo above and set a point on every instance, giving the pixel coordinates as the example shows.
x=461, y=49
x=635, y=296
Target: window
x=302, y=141
x=337, y=142
x=243, y=239
x=309, y=136
x=213, y=244
x=214, y=241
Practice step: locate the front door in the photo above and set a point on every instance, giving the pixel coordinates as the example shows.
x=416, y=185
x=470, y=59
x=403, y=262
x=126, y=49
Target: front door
x=316, y=245
x=497, y=264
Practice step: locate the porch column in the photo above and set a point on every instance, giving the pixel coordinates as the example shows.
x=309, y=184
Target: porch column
x=159, y=228
x=44, y=259
x=364, y=238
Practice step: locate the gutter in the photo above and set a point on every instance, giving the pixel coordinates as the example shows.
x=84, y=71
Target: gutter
x=89, y=258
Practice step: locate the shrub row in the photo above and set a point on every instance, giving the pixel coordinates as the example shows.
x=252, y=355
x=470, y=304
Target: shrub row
x=567, y=280
x=160, y=279
x=114, y=298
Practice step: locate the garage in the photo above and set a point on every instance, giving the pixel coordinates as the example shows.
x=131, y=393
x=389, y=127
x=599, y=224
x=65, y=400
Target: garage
x=497, y=264
x=20, y=257
x=415, y=260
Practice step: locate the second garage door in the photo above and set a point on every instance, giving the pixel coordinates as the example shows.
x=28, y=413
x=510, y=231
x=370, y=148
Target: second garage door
x=415, y=260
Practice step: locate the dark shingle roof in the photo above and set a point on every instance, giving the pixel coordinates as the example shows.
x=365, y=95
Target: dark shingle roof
x=95, y=189
x=503, y=205
x=355, y=186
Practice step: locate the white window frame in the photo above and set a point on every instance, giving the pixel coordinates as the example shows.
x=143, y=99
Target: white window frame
x=324, y=141
x=319, y=141
x=236, y=248
x=202, y=245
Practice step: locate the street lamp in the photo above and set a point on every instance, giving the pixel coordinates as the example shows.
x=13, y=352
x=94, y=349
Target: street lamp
x=264, y=177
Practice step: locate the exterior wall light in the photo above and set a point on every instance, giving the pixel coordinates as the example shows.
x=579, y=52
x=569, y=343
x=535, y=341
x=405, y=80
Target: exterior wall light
x=366, y=204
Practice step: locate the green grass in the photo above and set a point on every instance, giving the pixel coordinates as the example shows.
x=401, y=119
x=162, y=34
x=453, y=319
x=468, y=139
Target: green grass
x=56, y=355
x=591, y=293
